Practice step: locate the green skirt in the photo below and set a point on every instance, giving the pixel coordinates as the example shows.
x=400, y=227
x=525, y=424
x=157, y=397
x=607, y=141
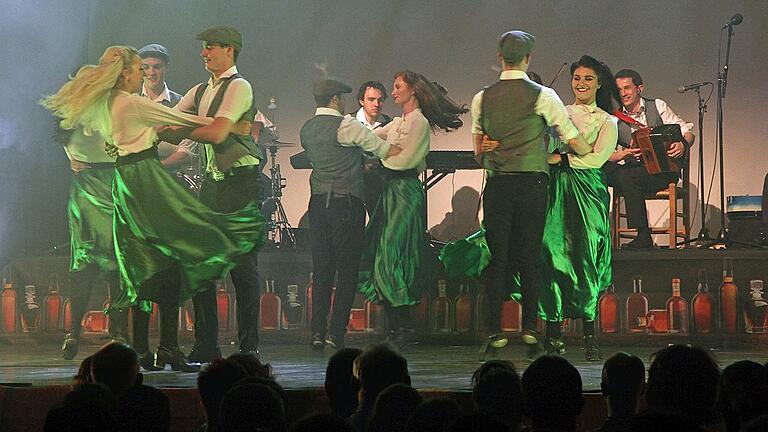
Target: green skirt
x=161, y=229
x=89, y=212
x=576, y=244
x=394, y=239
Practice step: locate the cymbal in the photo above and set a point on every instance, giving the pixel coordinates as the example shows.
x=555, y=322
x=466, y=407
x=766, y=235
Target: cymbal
x=280, y=144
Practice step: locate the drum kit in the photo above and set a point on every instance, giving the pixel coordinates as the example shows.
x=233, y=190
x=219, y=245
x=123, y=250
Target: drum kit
x=280, y=231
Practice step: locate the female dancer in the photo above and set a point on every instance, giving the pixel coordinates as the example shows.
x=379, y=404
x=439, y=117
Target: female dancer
x=160, y=230
x=395, y=234
x=576, y=243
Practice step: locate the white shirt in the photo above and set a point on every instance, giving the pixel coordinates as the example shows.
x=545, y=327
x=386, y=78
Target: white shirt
x=87, y=148
x=548, y=106
x=599, y=129
x=164, y=95
x=134, y=119
x=411, y=133
x=352, y=133
x=237, y=100
x=364, y=120
x=665, y=112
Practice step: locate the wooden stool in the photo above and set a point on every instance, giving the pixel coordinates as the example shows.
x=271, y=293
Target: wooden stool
x=679, y=219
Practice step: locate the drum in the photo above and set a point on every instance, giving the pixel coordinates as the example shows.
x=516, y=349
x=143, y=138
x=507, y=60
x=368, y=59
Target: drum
x=744, y=207
x=189, y=178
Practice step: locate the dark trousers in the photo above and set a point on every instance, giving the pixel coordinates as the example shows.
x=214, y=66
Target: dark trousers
x=83, y=283
x=226, y=196
x=336, y=228
x=634, y=183
x=170, y=280
x=514, y=208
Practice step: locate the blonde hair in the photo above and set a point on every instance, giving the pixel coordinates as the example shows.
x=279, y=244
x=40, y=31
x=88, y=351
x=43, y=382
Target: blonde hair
x=83, y=101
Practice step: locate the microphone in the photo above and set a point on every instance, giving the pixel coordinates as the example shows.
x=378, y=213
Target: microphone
x=734, y=21
x=685, y=88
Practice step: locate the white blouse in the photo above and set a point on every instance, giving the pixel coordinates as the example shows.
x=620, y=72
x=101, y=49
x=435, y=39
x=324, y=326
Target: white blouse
x=599, y=129
x=411, y=133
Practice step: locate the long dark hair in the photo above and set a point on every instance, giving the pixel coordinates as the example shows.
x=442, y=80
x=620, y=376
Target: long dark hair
x=608, y=94
x=441, y=112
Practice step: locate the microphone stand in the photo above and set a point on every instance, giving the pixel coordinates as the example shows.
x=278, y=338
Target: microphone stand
x=723, y=240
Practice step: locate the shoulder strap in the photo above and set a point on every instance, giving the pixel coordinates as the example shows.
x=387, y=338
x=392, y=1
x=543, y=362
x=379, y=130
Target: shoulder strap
x=216, y=102
x=199, y=94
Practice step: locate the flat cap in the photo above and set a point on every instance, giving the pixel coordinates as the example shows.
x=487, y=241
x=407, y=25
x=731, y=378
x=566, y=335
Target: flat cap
x=222, y=35
x=329, y=86
x=155, y=50
x=515, y=44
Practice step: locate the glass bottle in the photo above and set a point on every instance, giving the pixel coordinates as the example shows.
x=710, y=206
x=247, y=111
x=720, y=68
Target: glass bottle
x=511, y=313
x=357, y=314
x=293, y=310
x=729, y=299
x=421, y=312
x=270, y=308
x=441, y=310
x=480, y=306
x=30, y=311
x=655, y=322
x=187, y=317
x=66, y=314
x=52, y=302
x=223, y=305
x=608, y=311
x=154, y=320
x=756, y=309
x=375, y=319
x=462, y=310
x=677, y=311
x=636, y=306
x=703, y=305
x=8, y=300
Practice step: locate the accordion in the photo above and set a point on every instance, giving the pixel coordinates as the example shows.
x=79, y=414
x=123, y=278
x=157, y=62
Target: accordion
x=654, y=144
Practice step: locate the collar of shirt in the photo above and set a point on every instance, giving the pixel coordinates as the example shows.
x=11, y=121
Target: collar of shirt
x=360, y=116
x=164, y=95
x=639, y=112
x=513, y=74
x=327, y=111
x=228, y=73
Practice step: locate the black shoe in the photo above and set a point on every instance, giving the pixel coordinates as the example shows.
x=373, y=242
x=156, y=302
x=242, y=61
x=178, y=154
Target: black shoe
x=591, y=349
x=201, y=354
x=254, y=352
x=535, y=344
x=318, y=342
x=70, y=347
x=147, y=362
x=554, y=346
x=334, y=342
x=491, y=346
x=642, y=241
x=175, y=358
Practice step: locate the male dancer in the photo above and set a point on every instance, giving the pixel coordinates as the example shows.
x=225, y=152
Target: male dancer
x=334, y=145
x=515, y=111
x=371, y=96
x=231, y=182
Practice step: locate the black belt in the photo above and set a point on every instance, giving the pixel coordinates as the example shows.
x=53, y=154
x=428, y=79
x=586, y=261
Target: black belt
x=101, y=165
x=150, y=153
x=390, y=174
x=235, y=171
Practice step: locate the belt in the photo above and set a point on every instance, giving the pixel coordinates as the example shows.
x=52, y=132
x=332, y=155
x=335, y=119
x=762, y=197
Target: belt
x=390, y=174
x=234, y=171
x=150, y=153
x=101, y=165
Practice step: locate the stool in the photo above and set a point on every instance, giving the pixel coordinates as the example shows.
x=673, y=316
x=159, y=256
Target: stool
x=679, y=222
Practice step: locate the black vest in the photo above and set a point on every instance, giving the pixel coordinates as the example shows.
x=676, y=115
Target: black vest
x=507, y=115
x=336, y=169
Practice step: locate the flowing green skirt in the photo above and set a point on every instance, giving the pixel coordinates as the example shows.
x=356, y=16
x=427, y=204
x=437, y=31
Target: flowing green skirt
x=90, y=220
x=577, y=246
x=161, y=229
x=394, y=239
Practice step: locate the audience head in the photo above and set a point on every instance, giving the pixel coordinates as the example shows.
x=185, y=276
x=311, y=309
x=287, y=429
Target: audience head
x=434, y=415
x=340, y=384
x=378, y=367
x=84, y=372
x=683, y=380
x=742, y=393
x=252, y=364
x=759, y=424
x=115, y=365
x=90, y=407
x=144, y=408
x=393, y=408
x=477, y=423
x=661, y=422
x=321, y=422
x=213, y=382
x=623, y=381
x=496, y=392
x=251, y=407
x=552, y=393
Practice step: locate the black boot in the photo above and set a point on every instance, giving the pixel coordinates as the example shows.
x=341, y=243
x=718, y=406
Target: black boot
x=71, y=346
x=591, y=349
x=175, y=358
x=642, y=241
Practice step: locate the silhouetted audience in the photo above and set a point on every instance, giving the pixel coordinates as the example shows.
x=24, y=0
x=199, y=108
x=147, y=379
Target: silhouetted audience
x=662, y=422
x=759, y=424
x=251, y=407
x=552, y=396
x=88, y=408
x=252, y=364
x=622, y=386
x=682, y=381
x=393, y=408
x=321, y=422
x=496, y=393
x=84, y=372
x=341, y=386
x=742, y=394
x=477, y=423
x=213, y=382
x=435, y=415
x=116, y=365
x=378, y=367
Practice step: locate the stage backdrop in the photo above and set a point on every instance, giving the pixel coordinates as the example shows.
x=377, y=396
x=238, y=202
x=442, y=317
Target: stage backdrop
x=289, y=43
